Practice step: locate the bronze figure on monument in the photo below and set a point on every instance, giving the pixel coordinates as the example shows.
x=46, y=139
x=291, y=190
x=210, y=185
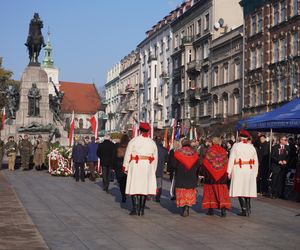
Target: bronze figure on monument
x=34, y=97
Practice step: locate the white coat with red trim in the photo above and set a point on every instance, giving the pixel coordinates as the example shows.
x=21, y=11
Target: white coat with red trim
x=242, y=170
x=141, y=177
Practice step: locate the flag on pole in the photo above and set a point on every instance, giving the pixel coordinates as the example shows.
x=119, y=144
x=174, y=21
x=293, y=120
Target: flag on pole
x=72, y=128
x=94, y=125
x=3, y=119
x=166, y=144
x=195, y=133
x=152, y=131
x=191, y=134
x=135, y=129
x=173, y=126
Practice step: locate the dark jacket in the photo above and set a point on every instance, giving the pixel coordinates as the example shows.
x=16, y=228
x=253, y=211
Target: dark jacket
x=186, y=177
x=92, y=148
x=79, y=153
x=263, y=157
x=278, y=155
x=162, y=155
x=106, y=152
x=119, y=154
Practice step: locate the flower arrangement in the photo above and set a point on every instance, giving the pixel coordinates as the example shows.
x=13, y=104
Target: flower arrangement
x=59, y=161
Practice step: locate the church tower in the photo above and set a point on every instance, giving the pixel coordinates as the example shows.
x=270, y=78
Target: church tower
x=48, y=66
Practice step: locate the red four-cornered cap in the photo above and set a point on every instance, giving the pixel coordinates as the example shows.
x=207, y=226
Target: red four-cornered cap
x=244, y=133
x=144, y=126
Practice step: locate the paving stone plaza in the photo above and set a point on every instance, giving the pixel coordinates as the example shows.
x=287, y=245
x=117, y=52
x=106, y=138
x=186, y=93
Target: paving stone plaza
x=39, y=211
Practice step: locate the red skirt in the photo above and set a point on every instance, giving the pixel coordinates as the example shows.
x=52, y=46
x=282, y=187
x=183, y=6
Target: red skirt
x=215, y=196
x=185, y=197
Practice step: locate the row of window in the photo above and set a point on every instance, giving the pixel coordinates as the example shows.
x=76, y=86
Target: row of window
x=279, y=11
x=280, y=48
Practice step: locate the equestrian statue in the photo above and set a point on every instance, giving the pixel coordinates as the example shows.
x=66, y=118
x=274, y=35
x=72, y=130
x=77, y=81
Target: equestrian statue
x=35, y=39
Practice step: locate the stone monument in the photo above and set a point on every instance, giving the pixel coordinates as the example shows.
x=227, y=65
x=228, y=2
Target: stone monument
x=34, y=115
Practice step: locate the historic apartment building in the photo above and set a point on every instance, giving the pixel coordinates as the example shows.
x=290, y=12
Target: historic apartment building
x=129, y=90
x=155, y=93
x=271, y=53
x=197, y=25
x=113, y=93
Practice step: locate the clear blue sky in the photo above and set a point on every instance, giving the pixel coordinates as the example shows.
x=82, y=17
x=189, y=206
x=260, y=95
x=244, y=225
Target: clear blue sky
x=88, y=36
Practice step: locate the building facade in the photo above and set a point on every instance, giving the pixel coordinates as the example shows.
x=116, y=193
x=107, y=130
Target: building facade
x=197, y=24
x=271, y=53
x=129, y=87
x=156, y=70
x=113, y=93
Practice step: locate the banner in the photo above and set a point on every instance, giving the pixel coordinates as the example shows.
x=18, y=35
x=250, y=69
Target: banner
x=94, y=125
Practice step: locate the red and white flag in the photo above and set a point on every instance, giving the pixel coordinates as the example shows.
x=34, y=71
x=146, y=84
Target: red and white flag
x=94, y=125
x=135, y=130
x=3, y=119
x=72, y=128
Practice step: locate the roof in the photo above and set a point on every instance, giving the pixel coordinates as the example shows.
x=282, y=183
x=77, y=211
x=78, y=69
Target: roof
x=83, y=98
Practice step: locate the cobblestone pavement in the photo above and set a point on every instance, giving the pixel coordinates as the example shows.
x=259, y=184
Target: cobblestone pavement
x=72, y=215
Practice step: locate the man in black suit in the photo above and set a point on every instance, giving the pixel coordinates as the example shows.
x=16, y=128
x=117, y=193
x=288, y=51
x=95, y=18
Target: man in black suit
x=280, y=157
x=105, y=152
x=263, y=167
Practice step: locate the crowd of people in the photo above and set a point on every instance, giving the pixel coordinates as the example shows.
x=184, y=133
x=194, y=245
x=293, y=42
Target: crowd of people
x=228, y=169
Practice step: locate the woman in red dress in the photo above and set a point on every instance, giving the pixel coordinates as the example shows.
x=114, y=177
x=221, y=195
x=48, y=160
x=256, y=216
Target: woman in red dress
x=215, y=190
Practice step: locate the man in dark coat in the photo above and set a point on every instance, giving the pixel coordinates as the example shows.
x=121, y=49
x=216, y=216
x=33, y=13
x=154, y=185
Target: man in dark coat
x=162, y=155
x=263, y=165
x=105, y=152
x=79, y=154
x=280, y=158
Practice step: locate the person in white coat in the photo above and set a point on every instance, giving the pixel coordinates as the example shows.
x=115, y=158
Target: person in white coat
x=140, y=163
x=242, y=170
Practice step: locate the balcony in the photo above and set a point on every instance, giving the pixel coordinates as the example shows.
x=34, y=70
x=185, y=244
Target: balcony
x=122, y=92
x=164, y=75
x=194, y=94
x=158, y=124
x=104, y=117
x=187, y=40
x=159, y=101
x=194, y=67
x=141, y=86
x=130, y=107
x=152, y=58
x=123, y=111
x=129, y=88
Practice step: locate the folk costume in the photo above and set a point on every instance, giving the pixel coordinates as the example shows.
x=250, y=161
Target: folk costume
x=140, y=163
x=186, y=175
x=243, y=170
x=215, y=190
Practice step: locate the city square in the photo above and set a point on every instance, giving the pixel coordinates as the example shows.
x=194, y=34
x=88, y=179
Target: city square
x=176, y=127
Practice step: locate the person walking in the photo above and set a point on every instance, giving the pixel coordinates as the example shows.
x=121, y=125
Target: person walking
x=243, y=170
x=39, y=153
x=105, y=152
x=92, y=158
x=214, y=170
x=79, y=154
x=25, y=148
x=279, y=157
x=186, y=176
x=140, y=163
x=162, y=160
x=118, y=164
x=11, y=152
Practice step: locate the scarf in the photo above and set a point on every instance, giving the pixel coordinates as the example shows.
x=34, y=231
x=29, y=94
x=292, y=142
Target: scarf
x=187, y=157
x=215, y=161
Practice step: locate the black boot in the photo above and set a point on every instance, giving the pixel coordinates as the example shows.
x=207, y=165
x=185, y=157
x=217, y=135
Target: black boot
x=158, y=194
x=143, y=199
x=134, y=200
x=210, y=211
x=248, y=206
x=243, y=207
x=185, y=211
x=223, y=212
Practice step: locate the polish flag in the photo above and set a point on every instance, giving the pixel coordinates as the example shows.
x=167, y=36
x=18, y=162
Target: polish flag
x=3, y=119
x=94, y=125
x=135, y=130
x=195, y=133
x=72, y=128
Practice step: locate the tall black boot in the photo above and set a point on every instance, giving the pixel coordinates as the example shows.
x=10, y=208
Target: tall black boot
x=185, y=211
x=243, y=206
x=143, y=199
x=248, y=206
x=223, y=212
x=134, y=199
